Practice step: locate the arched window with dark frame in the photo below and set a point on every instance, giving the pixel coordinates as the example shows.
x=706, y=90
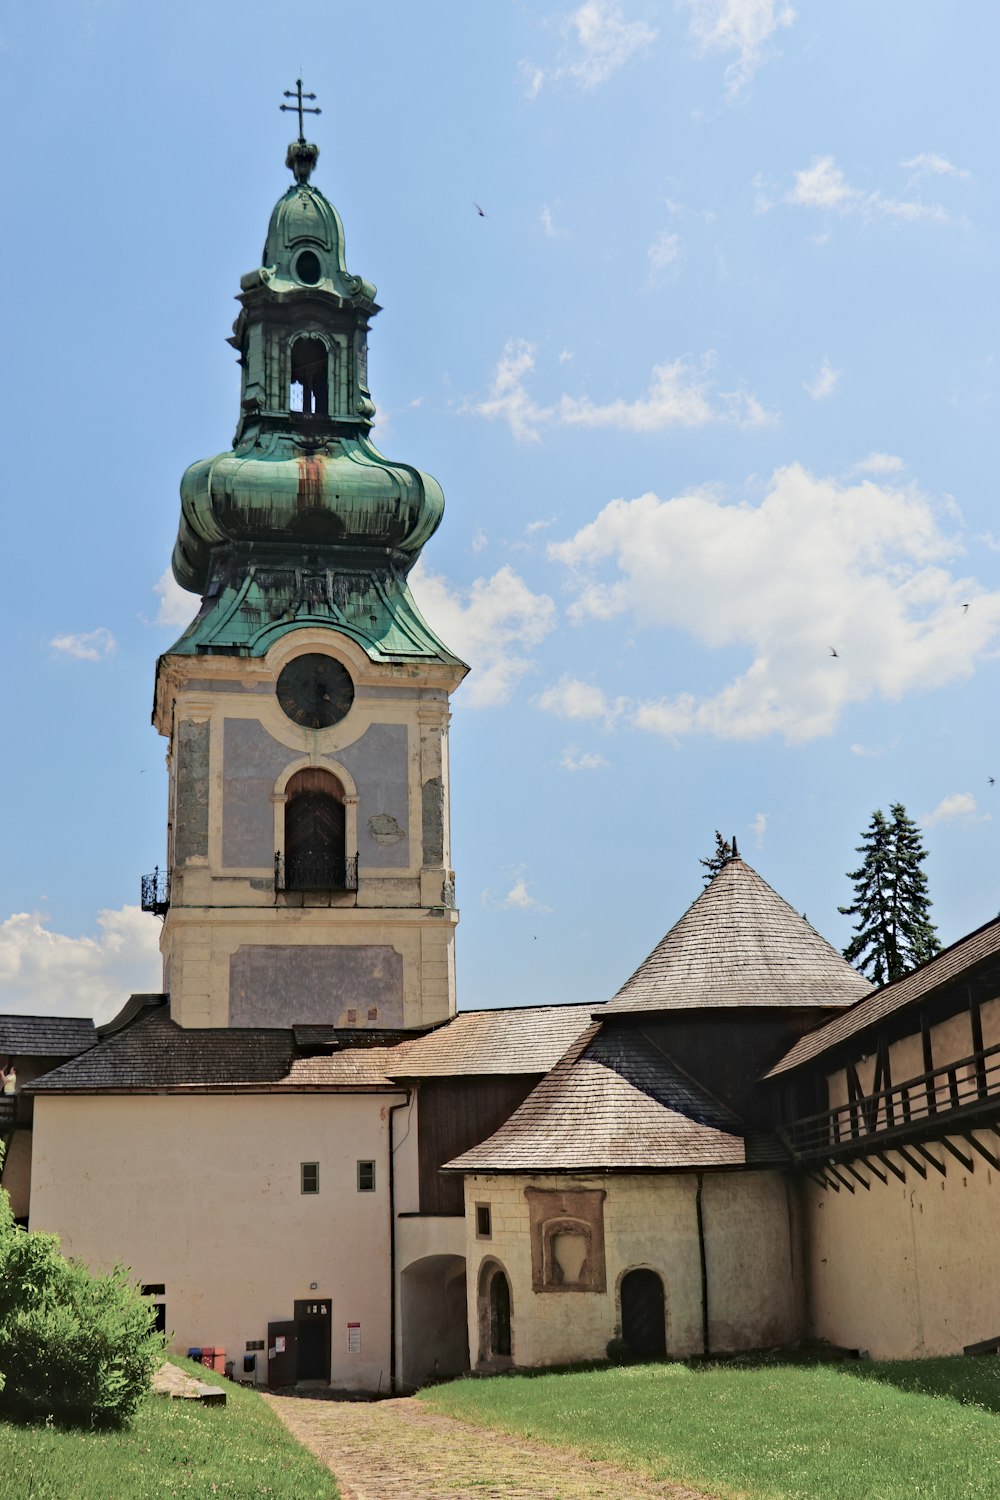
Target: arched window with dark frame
x=309, y=384
x=315, y=856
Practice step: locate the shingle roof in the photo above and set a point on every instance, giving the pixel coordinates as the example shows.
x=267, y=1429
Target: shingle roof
x=531, y=1039
x=966, y=954
x=740, y=944
x=154, y=1053
x=614, y=1103
x=45, y=1036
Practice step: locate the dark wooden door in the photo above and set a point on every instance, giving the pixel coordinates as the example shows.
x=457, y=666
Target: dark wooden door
x=314, y=842
x=282, y=1354
x=500, y=1315
x=644, y=1327
x=312, y=1324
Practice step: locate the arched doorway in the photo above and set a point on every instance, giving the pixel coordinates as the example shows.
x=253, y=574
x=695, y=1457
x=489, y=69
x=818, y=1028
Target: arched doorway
x=496, y=1317
x=644, y=1322
x=434, y=1319
x=314, y=832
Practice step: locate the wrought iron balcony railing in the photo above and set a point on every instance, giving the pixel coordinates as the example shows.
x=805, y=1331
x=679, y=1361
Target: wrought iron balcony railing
x=156, y=892
x=315, y=872
x=949, y=1097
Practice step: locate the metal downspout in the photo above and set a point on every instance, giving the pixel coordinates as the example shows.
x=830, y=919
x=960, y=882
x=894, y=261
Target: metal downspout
x=704, y=1267
x=392, y=1240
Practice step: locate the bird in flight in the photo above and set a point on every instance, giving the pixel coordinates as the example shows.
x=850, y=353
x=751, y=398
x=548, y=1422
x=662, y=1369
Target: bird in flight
x=480, y=211
x=833, y=652
x=992, y=780
x=965, y=609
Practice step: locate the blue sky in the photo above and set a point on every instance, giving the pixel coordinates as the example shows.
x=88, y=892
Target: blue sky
x=712, y=390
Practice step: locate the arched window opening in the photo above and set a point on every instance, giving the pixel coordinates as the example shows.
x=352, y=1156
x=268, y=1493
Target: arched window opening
x=309, y=388
x=315, y=858
x=644, y=1326
x=500, y=1343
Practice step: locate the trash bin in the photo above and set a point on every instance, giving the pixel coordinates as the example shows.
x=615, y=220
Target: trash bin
x=195, y=1354
x=219, y=1362
x=208, y=1356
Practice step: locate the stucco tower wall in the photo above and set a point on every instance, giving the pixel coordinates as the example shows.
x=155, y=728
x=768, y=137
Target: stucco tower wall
x=752, y=1258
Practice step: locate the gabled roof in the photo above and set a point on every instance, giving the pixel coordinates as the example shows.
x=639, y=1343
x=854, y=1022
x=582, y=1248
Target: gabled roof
x=530, y=1039
x=45, y=1036
x=614, y=1103
x=154, y=1054
x=740, y=944
x=968, y=953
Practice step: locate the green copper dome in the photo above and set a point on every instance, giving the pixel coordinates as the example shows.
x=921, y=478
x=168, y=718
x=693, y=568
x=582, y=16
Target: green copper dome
x=304, y=522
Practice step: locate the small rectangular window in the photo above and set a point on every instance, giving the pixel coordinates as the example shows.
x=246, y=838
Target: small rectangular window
x=310, y=1176
x=484, y=1227
x=366, y=1177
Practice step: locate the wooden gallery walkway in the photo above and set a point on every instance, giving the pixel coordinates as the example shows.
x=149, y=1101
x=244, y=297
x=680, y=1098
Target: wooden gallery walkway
x=401, y=1450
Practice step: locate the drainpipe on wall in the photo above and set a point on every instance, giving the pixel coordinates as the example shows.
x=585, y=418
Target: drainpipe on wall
x=704, y=1267
x=392, y=1241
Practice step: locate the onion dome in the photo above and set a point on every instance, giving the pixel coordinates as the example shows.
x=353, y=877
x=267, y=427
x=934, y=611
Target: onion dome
x=304, y=522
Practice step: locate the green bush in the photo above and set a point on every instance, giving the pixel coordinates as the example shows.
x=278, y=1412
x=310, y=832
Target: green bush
x=75, y=1347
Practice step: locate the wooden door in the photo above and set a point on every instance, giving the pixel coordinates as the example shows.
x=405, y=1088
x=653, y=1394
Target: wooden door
x=644, y=1327
x=282, y=1354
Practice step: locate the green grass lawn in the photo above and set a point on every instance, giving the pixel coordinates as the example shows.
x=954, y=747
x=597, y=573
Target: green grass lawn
x=172, y=1448
x=771, y=1431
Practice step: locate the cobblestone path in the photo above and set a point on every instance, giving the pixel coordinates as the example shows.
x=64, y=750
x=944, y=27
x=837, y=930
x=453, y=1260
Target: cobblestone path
x=399, y=1450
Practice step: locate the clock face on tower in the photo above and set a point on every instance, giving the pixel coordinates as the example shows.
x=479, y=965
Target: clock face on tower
x=315, y=691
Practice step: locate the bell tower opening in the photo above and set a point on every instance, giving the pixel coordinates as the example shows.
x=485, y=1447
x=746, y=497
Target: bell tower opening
x=309, y=381
x=315, y=858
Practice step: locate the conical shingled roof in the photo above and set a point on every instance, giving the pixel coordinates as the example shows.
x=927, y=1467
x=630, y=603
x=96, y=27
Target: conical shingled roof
x=740, y=945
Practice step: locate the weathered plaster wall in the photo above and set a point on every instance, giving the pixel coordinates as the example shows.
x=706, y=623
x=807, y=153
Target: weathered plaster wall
x=378, y=763
x=279, y=985
x=203, y=1195
x=751, y=1239
x=907, y=1270
x=252, y=761
x=191, y=817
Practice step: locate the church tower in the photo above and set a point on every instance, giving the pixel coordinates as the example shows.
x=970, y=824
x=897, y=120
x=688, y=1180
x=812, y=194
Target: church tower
x=309, y=872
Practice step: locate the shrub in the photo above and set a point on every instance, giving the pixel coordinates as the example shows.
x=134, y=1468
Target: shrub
x=73, y=1346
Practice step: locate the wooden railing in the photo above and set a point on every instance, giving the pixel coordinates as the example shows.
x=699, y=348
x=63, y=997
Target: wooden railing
x=955, y=1092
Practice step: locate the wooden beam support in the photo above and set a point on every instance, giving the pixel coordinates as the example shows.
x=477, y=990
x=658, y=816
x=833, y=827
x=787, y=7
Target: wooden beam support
x=874, y=1169
x=911, y=1161
x=818, y=1179
x=932, y=1159
x=842, y=1180
x=883, y=1158
x=855, y=1173
x=984, y=1151
x=967, y=1161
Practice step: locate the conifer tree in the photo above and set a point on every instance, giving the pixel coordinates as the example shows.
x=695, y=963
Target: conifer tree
x=893, y=932
x=723, y=852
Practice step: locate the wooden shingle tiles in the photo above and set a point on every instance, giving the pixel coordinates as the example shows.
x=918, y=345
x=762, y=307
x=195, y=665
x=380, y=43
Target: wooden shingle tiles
x=978, y=948
x=614, y=1103
x=530, y=1039
x=45, y=1036
x=740, y=945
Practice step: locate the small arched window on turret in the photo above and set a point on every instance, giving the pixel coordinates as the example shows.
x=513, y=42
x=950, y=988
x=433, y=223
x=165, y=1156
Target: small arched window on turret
x=309, y=380
x=315, y=858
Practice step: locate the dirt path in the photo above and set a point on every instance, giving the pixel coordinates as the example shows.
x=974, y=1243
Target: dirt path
x=400, y=1450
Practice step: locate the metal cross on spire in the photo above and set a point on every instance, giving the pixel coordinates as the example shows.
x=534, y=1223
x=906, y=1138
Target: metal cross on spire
x=303, y=109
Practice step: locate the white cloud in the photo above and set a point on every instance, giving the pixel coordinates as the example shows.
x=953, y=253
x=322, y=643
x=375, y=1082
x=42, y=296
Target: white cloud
x=492, y=625
x=89, y=645
x=480, y=541
x=879, y=463
x=758, y=828
x=517, y=898
x=823, y=185
x=534, y=526
x=741, y=26
x=569, y=698
x=547, y=219
x=932, y=164
x=824, y=382
x=573, y=759
x=565, y=355
x=816, y=562
x=47, y=973
x=867, y=752
x=959, y=807
x=177, y=606
x=664, y=252
x=680, y=394
x=600, y=41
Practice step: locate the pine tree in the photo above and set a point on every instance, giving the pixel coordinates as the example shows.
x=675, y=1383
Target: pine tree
x=894, y=931
x=723, y=852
